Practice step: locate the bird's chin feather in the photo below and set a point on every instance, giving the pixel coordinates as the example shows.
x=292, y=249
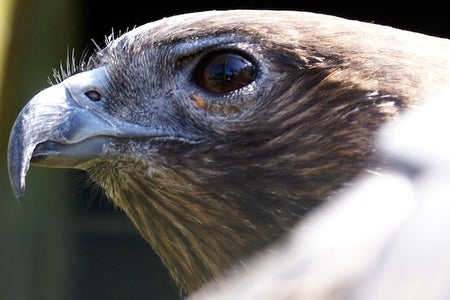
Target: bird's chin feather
x=180, y=219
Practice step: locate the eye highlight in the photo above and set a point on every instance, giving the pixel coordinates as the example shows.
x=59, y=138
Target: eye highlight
x=224, y=71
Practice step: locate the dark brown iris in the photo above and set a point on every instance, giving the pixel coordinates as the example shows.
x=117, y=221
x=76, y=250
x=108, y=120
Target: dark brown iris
x=223, y=72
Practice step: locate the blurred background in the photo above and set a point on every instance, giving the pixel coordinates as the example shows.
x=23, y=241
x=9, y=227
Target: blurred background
x=65, y=241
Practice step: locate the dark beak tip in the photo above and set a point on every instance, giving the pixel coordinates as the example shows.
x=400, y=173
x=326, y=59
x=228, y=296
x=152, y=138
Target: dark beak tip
x=19, y=198
x=18, y=187
x=16, y=171
x=20, y=194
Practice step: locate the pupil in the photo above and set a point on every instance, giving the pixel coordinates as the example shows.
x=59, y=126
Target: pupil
x=226, y=72
x=228, y=69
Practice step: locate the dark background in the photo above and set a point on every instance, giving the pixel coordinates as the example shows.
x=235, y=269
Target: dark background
x=69, y=242
x=420, y=17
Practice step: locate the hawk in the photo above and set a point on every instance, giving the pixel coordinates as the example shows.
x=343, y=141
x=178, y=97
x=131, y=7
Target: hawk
x=216, y=132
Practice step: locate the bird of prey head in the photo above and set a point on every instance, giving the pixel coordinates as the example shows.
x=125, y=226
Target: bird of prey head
x=215, y=132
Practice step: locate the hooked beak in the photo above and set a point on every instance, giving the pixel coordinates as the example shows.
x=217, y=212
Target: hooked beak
x=63, y=126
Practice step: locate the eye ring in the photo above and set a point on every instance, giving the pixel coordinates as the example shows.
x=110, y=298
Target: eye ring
x=221, y=72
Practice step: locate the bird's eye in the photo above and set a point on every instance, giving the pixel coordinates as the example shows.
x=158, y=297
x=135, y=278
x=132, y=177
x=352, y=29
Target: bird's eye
x=223, y=72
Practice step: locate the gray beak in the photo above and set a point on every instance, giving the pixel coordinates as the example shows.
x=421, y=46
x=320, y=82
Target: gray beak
x=64, y=126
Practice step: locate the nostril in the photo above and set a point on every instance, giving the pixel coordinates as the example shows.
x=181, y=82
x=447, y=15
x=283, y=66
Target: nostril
x=93, y=96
